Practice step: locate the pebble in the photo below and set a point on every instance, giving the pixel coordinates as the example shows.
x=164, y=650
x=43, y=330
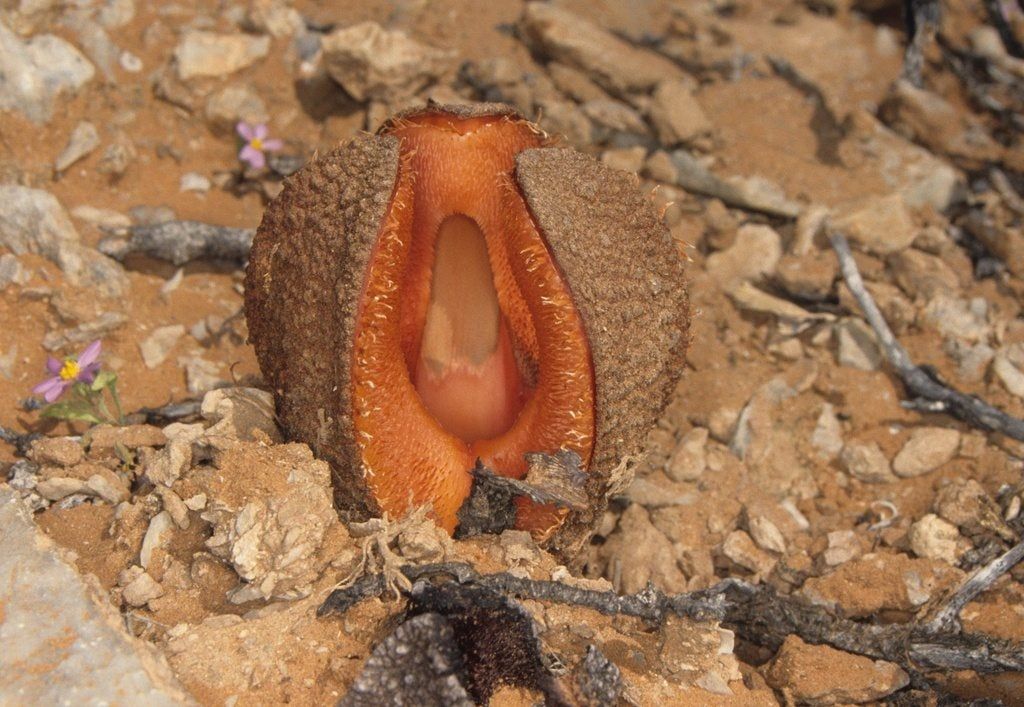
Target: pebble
x=12, y=271
x=689, y=458
x=857, y=346
x=927, y=449
x=104, y=438
x=612, y=118
x=767, y=535
x=676, y=114
x=809, y=276
x=958, y=318
x=372, y=63
x=881, y=225
x=843, y=546
x=866, y=462
x=574, y=83
x=650, y=494
x=35, y=72
x=101, y=218
x=241, y=413
x=752, y=257
x=141, y=590
x=966, y=504
x=1008, y=366
x=156, y=538
x=740, y=548
x=231, y=104
x=275, y=17
x=626, y=159
x=156, y=347
x=575, y=41
x=640, y=554
x=129, y=62
x=935, y=538
x=821, y=675
x=827, y=437
x=84, y=139
x=201, y=375
x=207, y=54
x=58, y=451
x=922, y=275
x=84, y=332
x=173, y=504
x=33, y=221
x=193, y=181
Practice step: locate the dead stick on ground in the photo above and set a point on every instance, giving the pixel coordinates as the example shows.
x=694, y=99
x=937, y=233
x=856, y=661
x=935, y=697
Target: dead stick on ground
x=947, y=618
x=942, y=398
x=757, y=613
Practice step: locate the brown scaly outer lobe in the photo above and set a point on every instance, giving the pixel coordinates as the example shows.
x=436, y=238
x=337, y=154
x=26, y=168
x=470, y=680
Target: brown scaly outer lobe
x=626, y=279
x=303, y=288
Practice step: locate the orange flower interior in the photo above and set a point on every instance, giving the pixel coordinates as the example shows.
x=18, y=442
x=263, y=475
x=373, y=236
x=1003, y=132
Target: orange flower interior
x=468, y=344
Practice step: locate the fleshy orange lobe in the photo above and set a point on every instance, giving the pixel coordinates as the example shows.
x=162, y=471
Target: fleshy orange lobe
x=468, y=343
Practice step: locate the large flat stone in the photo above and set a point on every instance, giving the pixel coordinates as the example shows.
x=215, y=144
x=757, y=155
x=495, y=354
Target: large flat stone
x=62, y=641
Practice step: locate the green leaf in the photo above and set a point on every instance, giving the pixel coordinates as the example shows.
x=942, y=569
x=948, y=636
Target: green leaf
x=103, y=379
x=71, y=410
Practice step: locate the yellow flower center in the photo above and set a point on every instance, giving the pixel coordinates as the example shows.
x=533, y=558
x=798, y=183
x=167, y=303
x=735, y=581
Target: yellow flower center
x=256, y=143
x=70, y=370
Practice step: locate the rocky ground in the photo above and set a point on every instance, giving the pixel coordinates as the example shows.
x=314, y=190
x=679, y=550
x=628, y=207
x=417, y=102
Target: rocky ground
x=184, y=560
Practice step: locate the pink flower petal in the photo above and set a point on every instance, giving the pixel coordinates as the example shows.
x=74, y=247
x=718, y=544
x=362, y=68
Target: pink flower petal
x=273, y=144
x=47, y=385
x=57, y=391
x=53, y=365
x=253, y=157
x=261, y=131
x=88, y=374
x=245, y=130
x=89, y=356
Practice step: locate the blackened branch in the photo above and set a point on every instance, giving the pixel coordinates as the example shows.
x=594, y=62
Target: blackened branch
x=968, y=408
x=757, y=613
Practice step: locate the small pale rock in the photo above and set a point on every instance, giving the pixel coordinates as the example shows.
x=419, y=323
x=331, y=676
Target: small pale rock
x=203, y=54
x=58, y=451
x=157, y=346
x=372, y=63
x=196, y=503
x=108, y=487
x=231, y=104
x=102, y=438
x=923, y=275
x=927, y=449
x=642, y=554
x=101, y=218
x=173, y=504
x=767, y=535
x=608, y=60
x=84, y=139
x=118, y=156
x=611, y=117
x=84, y=332
x=966, y=504
x=827, y=437
x=141, y=590
x=1009, y=368
x=58, y=487
x=157, y=536
x=237, y=412
x=423, y=542
x=881, y=225
x=739, y=548
x=866, y=462
x=33, y=221
x=167, y=465
x=753, y=256
x=689, y=459
x=274, y=17
x=809, y=277
x=822, y=675
x=649, y=494
x=676, y=114
x=193, y=181
x=36, y=71
x=201, y=375
x=958, y=318
x=935, y=538
x=857, y=346
x=12, y=271
x=843, y=546
x=627, y=159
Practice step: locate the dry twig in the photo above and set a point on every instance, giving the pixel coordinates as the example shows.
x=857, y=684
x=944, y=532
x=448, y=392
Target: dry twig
x=756, y=612
x=938, y=397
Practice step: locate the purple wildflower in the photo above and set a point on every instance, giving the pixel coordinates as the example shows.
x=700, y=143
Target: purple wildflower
x=80, y=369
x=256, y=144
